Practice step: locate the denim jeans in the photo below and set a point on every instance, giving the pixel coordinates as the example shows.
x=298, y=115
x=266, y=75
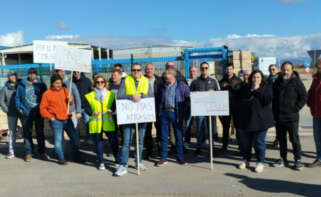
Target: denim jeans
x=12, y=125
x=34, y=116
x=128, y=132
x=58, y=126
x=254, y=139
x=85, y=118
x=317, y=136
x=167, y=118
x=112, y=136
x=189, y=122
x=200, y=134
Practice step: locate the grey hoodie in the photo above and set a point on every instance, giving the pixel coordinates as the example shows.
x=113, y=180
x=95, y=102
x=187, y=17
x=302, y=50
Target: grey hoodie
x=7, y=99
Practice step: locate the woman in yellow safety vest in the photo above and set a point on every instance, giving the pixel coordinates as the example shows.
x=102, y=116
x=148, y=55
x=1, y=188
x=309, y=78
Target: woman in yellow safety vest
x=100, y=105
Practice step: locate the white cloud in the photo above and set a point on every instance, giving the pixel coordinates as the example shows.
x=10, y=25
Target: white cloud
x=12, y=39
x=262, y=44
x=61, y=25
x=62, y=37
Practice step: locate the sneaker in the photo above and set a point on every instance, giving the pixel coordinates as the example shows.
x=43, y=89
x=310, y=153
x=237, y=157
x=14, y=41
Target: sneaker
x=186, y=145
x=28, y=158
x=161, y=162
x=44, y=156
x=62, y=162
x=142, y=167
x=102, y=166
x=198, y=153
x=316, y=163
x=117, y=165
x=259, y=168
x=10, y=156
x=182, y=162
x=122, y=170
x=243, y=165
x=298, y=165
x=280, y=163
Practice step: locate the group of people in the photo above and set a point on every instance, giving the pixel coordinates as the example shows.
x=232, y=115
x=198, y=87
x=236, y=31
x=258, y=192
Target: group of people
x=256, y=104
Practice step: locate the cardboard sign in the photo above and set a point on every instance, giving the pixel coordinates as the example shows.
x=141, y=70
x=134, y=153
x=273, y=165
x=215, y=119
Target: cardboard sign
x=129, y=112
x=45, y=51
x=73, y=59
x=211, y=103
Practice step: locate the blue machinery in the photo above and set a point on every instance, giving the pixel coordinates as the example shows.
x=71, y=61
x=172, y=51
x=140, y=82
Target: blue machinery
x=204, y=54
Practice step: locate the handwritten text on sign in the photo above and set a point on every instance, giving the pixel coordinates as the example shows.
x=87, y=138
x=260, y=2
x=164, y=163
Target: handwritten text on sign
x=45, y=51
x=129, y=112
x=73, y=59
x=211, y=103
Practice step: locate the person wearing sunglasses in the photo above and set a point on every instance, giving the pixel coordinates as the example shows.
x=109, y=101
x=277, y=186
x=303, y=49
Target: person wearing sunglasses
x=274, y=74
x=99, y=104
x=204, y=83
x=134, y=87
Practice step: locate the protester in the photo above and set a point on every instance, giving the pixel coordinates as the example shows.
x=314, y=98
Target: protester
x=232, y=84
x=255, y=105
x=99, y=105
x=8, y=105
x=174, y=102
x=121, y=69
x=179, y=76
x=84, y=87
x=53, y=107
x=28, y=97
x=193, y=74
x=116, y=80
x=314, y=102
x=274, y=73
x=204, y=83
x=289, y=96
x=154, y=82
x=74, y=108
x=134, y=87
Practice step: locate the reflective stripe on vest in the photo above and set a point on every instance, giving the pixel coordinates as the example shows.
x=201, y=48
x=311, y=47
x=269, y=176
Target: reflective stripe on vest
x=130, y=85
x=104, y=121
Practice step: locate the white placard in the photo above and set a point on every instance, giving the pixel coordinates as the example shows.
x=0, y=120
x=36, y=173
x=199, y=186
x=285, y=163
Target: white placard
x=45, y=51
x=211, y=103
x=129, y=112
x=73, y=59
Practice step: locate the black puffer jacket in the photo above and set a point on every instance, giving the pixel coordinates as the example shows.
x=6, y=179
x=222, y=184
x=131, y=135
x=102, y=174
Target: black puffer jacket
x=288, y=98
x=255, y=108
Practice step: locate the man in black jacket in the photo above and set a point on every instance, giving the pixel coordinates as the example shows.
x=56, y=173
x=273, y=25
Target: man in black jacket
x=232, y=84
x=204, y=83
x=155, y=82
x=289, y=98
x=84, y=87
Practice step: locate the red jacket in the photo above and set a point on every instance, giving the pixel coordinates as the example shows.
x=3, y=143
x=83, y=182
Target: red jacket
x=314, y=97
x=54, y=104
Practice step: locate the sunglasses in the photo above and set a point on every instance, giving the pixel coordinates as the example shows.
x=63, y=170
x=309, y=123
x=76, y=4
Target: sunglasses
x=204, y=68
x=101, y=82
x=136, y=70
x=273, y=69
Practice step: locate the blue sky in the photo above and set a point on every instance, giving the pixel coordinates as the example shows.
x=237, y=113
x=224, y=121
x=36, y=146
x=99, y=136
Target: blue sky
x=189, y=21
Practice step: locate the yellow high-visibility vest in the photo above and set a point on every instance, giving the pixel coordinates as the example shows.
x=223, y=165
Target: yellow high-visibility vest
x=104, y=121
x=131, y=87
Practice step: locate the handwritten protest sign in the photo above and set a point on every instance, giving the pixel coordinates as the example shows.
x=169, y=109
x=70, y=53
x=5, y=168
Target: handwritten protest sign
x=129, y=112
x=73, y=59
x=45, y=51
x=211, y=103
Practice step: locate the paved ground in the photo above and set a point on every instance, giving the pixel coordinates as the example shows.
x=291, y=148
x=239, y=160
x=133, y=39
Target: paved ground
x=46, y=178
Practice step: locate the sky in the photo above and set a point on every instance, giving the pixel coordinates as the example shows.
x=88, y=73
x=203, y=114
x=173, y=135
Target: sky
x=283, y=28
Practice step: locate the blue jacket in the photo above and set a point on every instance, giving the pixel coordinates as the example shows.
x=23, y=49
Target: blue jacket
x=182, y=100
x=39, y=88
